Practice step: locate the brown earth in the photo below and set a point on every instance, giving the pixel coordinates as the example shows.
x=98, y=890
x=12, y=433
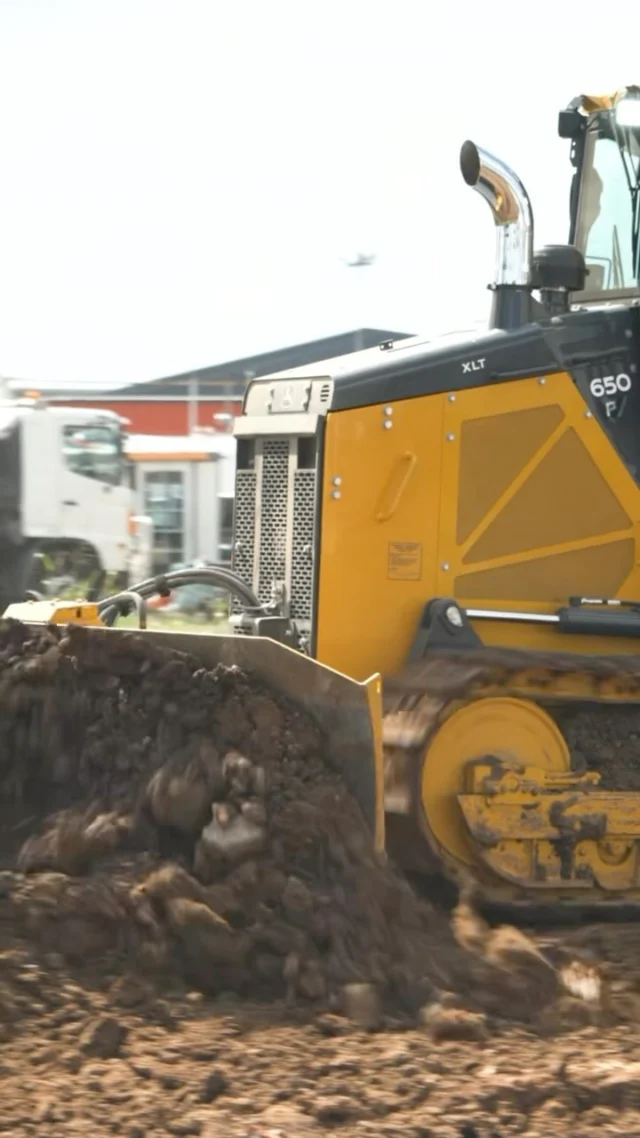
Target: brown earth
x=125, y=1058
x=196, y=937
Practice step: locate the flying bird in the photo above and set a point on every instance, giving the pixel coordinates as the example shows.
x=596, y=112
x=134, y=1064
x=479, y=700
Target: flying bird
x=361, y=260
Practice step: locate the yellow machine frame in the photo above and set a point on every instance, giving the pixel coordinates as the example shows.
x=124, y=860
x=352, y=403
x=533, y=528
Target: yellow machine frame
x=512, y=491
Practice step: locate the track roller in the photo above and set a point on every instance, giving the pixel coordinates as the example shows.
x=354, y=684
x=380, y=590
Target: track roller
x=515, y=732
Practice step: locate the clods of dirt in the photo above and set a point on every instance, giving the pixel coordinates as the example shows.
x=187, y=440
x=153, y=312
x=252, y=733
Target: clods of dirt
x=211, y=1067
x=196, y=936
x=186, y=819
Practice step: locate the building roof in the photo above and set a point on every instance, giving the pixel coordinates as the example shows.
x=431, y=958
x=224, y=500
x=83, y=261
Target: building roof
x=234, y=374
x=226, y=380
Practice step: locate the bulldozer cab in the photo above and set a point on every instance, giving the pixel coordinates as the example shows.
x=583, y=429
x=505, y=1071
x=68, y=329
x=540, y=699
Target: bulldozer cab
x=605, y=198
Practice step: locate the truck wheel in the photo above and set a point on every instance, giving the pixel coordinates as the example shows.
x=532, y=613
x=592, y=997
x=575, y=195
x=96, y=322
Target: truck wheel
x=24, y=573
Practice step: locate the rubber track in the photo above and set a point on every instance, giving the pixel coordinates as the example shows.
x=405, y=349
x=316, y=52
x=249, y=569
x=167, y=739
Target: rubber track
x=415, y=698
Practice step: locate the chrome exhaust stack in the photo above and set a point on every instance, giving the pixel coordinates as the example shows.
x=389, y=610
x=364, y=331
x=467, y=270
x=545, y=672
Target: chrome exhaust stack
x=511, y=208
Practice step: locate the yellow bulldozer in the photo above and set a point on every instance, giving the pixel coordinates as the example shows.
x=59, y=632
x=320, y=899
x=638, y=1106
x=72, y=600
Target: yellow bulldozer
x=437, y=551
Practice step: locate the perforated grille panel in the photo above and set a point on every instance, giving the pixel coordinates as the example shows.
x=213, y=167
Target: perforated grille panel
x=244, y=526
x=275, y=507
x=273, y=515
x=304, y=490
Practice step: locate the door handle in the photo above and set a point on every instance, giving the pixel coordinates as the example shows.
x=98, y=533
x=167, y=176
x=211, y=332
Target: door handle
x=397, y=484
x=69, y=502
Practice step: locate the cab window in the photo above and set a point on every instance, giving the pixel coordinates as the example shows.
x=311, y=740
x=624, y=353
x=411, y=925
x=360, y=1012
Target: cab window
x=94, y=451
x=605, y=231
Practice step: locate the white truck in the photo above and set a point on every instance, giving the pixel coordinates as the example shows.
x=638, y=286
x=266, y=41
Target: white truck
x=66, y=503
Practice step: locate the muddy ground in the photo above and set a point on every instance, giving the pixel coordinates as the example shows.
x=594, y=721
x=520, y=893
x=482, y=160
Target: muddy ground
x=196, y=937
x=122, y=1059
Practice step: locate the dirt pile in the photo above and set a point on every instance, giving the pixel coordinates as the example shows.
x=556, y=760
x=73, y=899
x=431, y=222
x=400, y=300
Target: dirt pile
x=196, y=937
x=167, y=818
x=186, y=819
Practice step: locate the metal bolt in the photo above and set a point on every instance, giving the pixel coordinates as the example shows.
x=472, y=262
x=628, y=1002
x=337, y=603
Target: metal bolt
x=588, y=415
x=337, y=481
x=387, y=424
x=446, y=566
x=388, y=410
x=452, y=398
x=542, y=381
x=336, y=494
x=450, y=437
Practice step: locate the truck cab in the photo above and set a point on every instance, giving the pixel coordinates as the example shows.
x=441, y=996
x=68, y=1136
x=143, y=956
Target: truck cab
x=65, y=501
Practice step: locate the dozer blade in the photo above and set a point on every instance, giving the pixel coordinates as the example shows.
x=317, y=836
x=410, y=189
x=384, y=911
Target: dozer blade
x=348, y=713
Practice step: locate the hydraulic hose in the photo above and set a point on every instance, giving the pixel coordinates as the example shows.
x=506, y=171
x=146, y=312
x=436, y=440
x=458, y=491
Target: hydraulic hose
x=218, y=576
x=121, y=603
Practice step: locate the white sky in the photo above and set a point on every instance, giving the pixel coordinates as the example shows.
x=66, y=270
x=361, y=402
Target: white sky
x=180, y=179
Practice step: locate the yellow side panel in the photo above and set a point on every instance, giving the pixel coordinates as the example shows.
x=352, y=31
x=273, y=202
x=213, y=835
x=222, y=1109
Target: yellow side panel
x=380, y=519
x=511, y=438
x=556, y=576
x=537, y=507
x=537, y=504
x=507, y=497
x=565, y=499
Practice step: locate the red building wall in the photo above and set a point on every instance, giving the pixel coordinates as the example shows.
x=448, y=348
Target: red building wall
x=154, y=417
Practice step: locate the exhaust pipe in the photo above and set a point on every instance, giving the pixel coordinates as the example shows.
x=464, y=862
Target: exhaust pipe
x=509, y=203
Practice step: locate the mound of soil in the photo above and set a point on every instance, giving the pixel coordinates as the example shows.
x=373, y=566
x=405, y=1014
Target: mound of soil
x=197, y=936
x=187, y=819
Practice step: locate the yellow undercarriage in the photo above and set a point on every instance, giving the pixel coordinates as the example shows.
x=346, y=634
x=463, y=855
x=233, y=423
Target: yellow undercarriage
x=475, y=757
